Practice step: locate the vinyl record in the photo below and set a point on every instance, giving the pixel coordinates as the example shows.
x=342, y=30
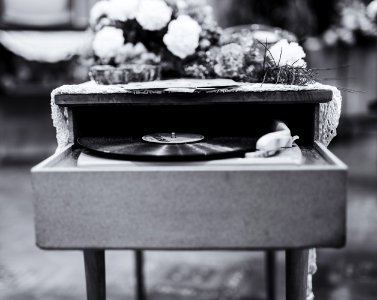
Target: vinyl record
x=135, y=148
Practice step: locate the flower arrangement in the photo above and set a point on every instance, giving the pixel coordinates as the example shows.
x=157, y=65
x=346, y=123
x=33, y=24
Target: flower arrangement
x=182, y=38
x=164, y=28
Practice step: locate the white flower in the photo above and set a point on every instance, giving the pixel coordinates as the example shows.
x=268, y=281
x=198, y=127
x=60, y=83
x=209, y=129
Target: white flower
x=107, y=42
x=128, y=52
x=372, y=10
x=98, y=10
x=284, y=53
x=122, y=10
x=119, y=10
x=153, y=14
x=183, y=36
x=181, y=4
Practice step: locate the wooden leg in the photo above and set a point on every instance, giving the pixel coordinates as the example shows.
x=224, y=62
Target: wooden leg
x=296, y=274
x=95, y=274
x=270, y=263
x=139, y=272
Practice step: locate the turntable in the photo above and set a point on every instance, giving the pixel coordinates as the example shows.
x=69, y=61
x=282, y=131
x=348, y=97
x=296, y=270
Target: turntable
x=184, y=180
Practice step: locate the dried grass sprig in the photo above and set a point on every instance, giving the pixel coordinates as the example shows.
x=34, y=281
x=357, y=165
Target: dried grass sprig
x=289, y=74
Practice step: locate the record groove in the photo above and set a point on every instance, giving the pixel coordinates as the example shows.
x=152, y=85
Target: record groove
x=135, y=148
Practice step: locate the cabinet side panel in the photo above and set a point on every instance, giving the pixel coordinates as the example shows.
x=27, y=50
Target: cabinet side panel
x=190, y=210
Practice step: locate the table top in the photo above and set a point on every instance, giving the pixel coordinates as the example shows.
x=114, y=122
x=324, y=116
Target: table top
x=189, y=92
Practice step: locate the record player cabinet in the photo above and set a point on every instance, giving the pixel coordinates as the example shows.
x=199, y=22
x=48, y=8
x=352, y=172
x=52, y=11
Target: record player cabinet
x=188, y=206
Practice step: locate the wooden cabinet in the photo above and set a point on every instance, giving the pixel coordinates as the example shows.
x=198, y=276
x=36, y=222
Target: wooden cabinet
x=192, y=205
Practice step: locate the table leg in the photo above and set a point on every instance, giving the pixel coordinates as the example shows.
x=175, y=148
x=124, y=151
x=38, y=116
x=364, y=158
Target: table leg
x=296, y=274
x=95, y=274
x=270, y=273
x=139, y=275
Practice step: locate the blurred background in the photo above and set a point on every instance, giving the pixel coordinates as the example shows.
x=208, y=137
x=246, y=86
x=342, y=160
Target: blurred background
x=40, y=46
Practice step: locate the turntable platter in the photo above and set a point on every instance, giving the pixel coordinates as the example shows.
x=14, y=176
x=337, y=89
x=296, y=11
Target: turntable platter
x=139, y=149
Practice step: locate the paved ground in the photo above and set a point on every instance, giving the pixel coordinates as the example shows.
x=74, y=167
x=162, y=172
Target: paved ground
x=27, y=273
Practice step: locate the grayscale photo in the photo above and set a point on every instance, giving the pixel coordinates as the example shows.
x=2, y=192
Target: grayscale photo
x=188, y=149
